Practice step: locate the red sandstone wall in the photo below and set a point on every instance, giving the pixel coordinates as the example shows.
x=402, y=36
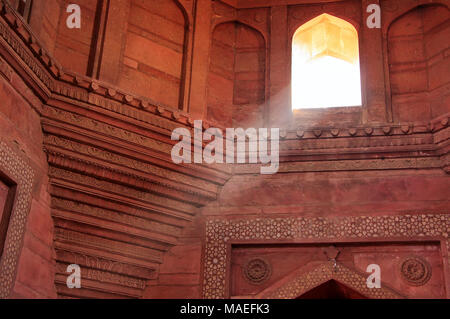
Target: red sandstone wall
x=339, y=193
x=153, y=58
x=20, y=128
x=74, y=47
x=44, y=20
x=180, y=274
x=331, y=195
x=236, y=78
x=152, y=66
x=419, y=64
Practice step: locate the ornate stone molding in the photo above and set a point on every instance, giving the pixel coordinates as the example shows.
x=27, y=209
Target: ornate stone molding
x=111, y=215
x=33, y=54
x=22, y=174
x=220, y=233
x=186, y=210
x=100, y=263
x=106, y=276
x=18, y=46
x=131, y=250
x=133, y=180
x=348, y=165
x=139, y=165
x=110, y=130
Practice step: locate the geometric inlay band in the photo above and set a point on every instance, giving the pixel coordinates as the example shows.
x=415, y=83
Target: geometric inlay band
x=17, y=169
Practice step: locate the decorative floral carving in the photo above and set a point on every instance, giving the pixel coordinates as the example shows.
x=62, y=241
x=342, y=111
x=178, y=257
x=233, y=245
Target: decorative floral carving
x=257, y=270
x=416, y=271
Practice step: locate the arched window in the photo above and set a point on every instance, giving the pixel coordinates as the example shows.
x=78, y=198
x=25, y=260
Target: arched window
x=325, y=64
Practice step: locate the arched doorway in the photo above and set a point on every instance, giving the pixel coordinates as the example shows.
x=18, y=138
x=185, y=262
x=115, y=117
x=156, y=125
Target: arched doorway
x=326, y=280
x=332, y=289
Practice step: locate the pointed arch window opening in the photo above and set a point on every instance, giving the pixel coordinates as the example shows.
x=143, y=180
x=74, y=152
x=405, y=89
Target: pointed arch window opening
x=325, y=64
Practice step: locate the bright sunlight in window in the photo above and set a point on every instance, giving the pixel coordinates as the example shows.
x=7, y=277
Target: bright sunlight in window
x=325, y=64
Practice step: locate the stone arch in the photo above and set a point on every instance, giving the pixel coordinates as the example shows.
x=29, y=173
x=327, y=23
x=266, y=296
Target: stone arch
x=399, y=11
x=236, y=90
x=332, y=289
x=221, y=20
x=417, y=42
x=300, y=282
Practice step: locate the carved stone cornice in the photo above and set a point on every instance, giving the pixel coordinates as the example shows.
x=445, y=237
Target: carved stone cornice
x=121, y=205
x=106, y=276
x=111, y=246
x=122, y=277
x=182, y=192
x=348, y=165
x=66, y=147
x=98, y=262
x=389, y=129
x=72, y=179
x=60, y=122
x=115, y=216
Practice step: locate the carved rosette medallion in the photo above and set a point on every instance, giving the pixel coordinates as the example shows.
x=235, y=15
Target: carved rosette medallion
x=257, y=271
x=416, y=271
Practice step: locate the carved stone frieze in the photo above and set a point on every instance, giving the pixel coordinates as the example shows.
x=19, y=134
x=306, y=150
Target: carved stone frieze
x=135, y=221
x=139, y=165
x=222, y=232
x=119, y=189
